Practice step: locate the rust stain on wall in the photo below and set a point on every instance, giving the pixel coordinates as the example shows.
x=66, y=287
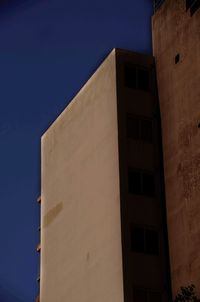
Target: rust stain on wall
x=186, y=135
x=52, y=214
x=189, y=171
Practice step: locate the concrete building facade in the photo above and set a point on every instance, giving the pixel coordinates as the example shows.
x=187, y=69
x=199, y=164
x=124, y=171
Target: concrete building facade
x=106, y=214
x=176, y=47
x=103, y=235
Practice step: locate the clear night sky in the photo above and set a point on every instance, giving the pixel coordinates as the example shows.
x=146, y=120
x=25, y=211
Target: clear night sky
x=48, y=49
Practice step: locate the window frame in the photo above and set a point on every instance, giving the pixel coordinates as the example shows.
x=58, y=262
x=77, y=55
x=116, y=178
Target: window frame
x=141, y=173
x=147, y=292
x=140, y=119
x=137, y=67
x=145, y=228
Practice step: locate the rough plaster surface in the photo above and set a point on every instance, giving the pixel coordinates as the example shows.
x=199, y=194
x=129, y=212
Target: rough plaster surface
x=81, y=256
x=175, y=31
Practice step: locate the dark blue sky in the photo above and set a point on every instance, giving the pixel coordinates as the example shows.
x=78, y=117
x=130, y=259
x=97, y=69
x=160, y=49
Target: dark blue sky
x=48, y=49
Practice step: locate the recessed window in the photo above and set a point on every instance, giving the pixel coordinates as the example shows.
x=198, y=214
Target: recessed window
x=137, y=240
x=148, y=184
x=189, y=3
x=140, y=295
x=151, y=242
x=131, y=77
x=146, y=130
x=177, y=58
x=146, y=295
x=144, y=240
x=139, y=128
x=141, y=182
x=143, y=79
x=194, y=7
x=136, y=77
x=199, y=125
x=155, y=297
x=134, y=182
x=133, y=127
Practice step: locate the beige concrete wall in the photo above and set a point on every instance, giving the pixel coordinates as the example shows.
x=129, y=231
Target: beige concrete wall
x=81, y=255
x=175, y=31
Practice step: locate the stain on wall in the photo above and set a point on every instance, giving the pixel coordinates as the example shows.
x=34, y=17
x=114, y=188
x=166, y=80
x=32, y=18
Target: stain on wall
x=52, y=214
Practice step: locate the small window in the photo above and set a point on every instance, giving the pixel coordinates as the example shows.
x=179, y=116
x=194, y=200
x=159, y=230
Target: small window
x=141, y=183
x=155, y=297
x=131, y=77
x=139, y=128
x=151, y=242
x=148, y=184
x=137, y=240
x=177, y=58
x=194, y=7
x=140, y=295
x=144, y=240
x=143, y=79
x=133, y=127
x=189, y=3
x=146, y=130
x=136, y=77
x=134, y=182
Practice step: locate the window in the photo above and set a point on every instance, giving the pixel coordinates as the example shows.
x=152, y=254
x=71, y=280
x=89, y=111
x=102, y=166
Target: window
x=140, y=295
x=134, y=182
x=144, y=240
x=148, y=185
x=146, y=295
x=143, y=79
x=194, y=7
x=155, y=297
x=133, y=127
x=136, y=77
x=139, y=128
x=177, y=58
x=146, y=130
x=151, y=242
x=141, y=183
x=131, y=77
x=137, y=240
x=189, y=3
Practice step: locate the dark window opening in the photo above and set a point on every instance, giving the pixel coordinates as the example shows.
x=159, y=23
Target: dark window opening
x=144, y=240
x=199, y=125
x=136, y=77
x=194, y=7
x=140, y=295
x=151, y=241
x=189, y=3
x=141, y=183
x=139, y=128
x=134, y=182
x=131, y=77
x=137, y=240
x=133, y=128
x=146, y=130
x=146, y=295
x=143, y=79
x=155, y=297
x=177, y=58
x=148, y=184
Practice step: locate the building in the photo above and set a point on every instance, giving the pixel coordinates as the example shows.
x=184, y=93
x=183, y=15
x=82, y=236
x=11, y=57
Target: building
x=176, y=47
x=103, y=230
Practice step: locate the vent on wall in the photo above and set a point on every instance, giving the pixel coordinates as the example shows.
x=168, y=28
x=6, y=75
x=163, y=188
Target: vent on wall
x=193, y=5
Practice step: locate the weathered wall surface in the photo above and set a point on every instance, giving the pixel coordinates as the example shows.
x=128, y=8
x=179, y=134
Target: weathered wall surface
x=81, y=257
x=175, y=31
